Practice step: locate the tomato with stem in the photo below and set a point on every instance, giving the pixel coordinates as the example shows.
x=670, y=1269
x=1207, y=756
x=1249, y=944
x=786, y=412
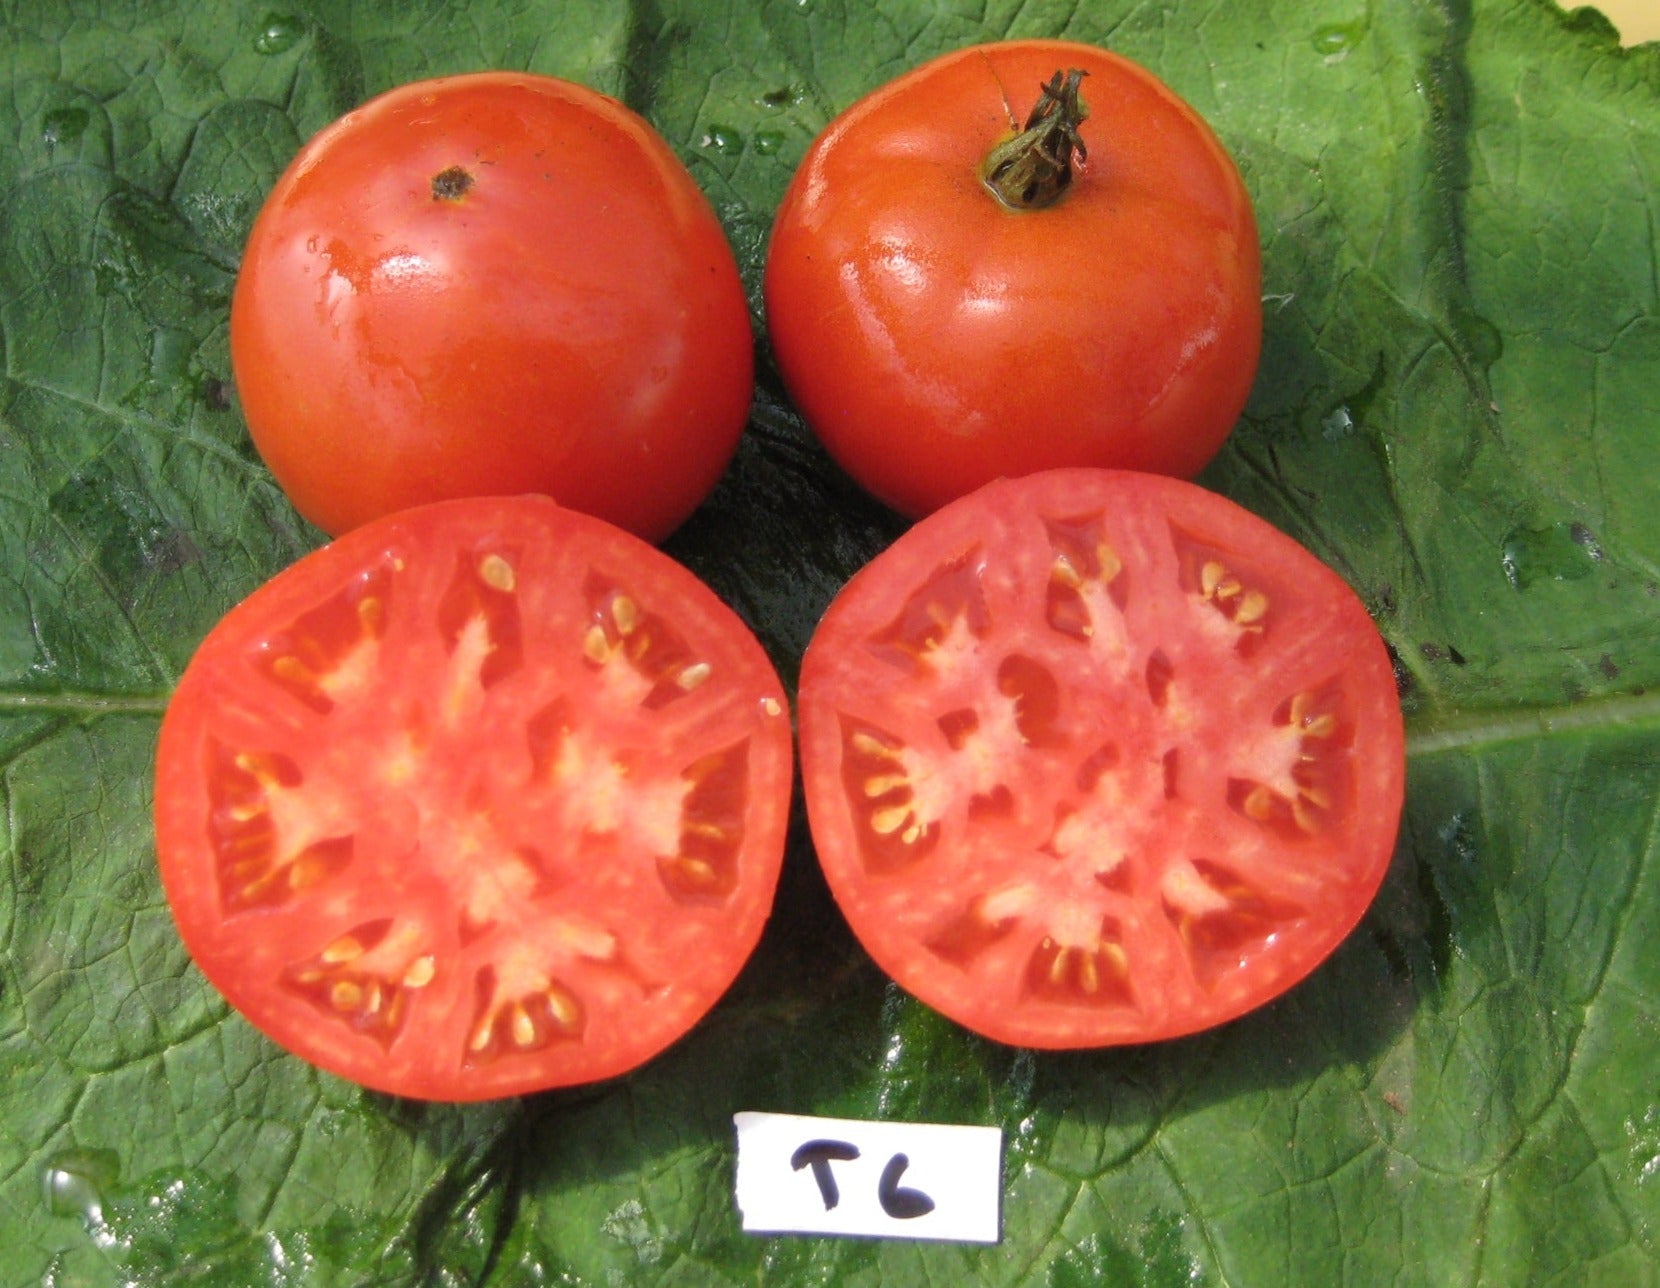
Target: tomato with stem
x=486, y=796
x=491, y=284
x=1095, y=757
x=1015, y=257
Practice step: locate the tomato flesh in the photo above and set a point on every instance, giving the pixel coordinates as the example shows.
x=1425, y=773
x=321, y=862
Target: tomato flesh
x=485, y=797
x=1095, y=757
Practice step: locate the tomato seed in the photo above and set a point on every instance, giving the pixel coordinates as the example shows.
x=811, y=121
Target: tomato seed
x=870, y=745
x=522, y=1026
x=1063, y=572
x=694, y=675
x=420, y=972
x=1252, y=608
x=496, y=573
x=1259, y=804
x=371, y=614
x=344, y=949
x=565, y=1010
x=596, y=645
x=885, y=822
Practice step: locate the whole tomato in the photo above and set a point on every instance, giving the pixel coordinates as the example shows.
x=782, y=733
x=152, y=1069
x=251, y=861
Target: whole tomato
x=487, y=284
x=959, y=288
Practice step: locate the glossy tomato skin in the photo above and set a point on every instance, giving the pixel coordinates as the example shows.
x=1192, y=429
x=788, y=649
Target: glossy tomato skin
x=1094, y=757
x=485, y=797
x=936, y=339
x=491, y=284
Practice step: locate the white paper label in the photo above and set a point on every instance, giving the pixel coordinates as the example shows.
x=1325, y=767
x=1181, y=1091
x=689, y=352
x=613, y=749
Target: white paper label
x=800, y=1175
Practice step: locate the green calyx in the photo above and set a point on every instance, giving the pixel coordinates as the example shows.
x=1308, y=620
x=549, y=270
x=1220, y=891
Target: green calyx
x=1034, y=168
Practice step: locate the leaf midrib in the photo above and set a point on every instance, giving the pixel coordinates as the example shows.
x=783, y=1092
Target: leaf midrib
x=1475, y=730
x=82, y=702
x=1436, y=734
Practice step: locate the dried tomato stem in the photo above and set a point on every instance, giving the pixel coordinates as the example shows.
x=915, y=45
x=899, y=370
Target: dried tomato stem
x=1034, y=168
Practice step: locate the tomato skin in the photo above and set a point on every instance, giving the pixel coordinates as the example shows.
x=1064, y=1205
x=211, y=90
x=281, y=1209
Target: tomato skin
x=1098, y=757
x=935, y=339
x=567, y=320
x=485, y=797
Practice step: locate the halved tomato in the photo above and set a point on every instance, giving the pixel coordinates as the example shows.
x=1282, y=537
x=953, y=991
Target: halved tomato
x=1095, y=757
x=485, y=797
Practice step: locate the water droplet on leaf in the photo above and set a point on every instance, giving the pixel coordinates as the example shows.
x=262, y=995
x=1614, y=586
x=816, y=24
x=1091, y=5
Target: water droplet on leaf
x=75, y=1181
x=1337, y=38
x=767, y=142
x=1561, y=552
x=63, y=125
x=724, y=139
x=277, y=33
x=1337, y=424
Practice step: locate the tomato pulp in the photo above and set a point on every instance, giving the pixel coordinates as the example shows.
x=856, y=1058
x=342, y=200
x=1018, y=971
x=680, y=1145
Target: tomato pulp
x=485, y=797
x=935, y=338
x=491, y=284
x=1096, y=757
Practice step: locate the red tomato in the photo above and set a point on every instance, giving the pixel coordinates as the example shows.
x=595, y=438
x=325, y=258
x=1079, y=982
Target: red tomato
x=488, y=284
x=485, y=797
x=936, y=338
x=1095, y=757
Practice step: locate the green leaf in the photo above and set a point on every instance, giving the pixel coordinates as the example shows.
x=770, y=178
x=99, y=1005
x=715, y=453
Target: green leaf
x=1459, y=394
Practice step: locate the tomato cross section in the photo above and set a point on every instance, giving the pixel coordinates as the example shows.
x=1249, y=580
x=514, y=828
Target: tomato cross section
x=1096, y=757
x=485, y=797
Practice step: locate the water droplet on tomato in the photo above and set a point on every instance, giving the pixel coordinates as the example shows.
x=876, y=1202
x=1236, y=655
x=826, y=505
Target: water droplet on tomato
x=277, y=33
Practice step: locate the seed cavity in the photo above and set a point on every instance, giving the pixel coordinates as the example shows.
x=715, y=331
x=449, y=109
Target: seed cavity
x=988, y=918
x=1094, y=974
x=1223, y=919
x=326, y=655
x=1086, y=590
x=938, y=628
x=882, y=791
x=1242, y=611
x=711, y=835
x=655, y=666
x=264, y=840
x=525, y=1022
x=360, y=978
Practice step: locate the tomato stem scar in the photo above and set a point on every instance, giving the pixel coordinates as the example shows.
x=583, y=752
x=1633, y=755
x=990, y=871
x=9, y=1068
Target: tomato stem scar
x=1034, y=168
x=451, y=184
